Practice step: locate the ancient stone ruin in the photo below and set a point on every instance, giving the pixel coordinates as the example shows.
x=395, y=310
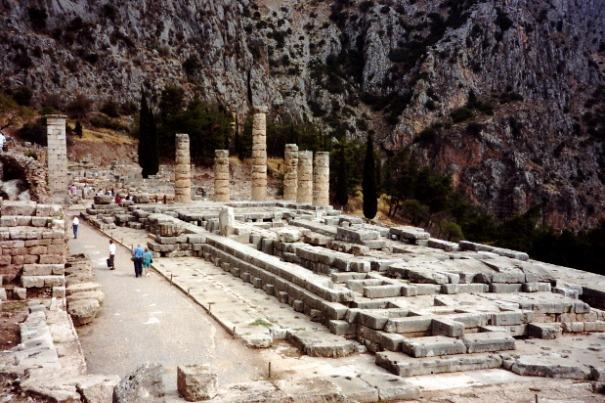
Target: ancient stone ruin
x=57, y=157
x=182, y=170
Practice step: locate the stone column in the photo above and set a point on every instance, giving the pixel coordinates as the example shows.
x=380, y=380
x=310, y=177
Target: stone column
x=321, y=179
x=57, y=158
x=305, y=177
x=259, y=154
x=291, y=173
x=182, y=170
x=221, y=176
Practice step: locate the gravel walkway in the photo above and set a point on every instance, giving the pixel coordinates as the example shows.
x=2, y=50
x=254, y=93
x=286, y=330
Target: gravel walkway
x=146, y=319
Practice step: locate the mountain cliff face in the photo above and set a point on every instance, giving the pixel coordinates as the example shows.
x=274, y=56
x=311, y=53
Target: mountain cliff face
x=506, y=96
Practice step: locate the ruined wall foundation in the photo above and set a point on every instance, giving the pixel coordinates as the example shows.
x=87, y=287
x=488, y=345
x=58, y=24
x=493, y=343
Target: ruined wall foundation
x=182, y=170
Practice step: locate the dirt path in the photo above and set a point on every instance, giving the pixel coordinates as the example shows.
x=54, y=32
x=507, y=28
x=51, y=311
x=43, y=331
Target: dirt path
x=146, y=319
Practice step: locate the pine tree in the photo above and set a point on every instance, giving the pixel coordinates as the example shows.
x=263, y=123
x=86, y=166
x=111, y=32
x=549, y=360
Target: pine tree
x=370, y=197
x=148, y=140
x=341, y=180
x=78, y=129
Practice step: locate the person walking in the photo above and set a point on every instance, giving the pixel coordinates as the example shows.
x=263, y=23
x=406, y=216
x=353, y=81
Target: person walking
x=137, y=257
x=147, y=260
x=112, y=255
x=74, y=226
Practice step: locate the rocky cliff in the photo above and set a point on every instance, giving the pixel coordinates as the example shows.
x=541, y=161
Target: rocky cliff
x=506, y=96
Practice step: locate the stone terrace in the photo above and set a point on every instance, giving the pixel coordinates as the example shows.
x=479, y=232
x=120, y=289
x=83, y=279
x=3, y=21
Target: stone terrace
x=422, y=305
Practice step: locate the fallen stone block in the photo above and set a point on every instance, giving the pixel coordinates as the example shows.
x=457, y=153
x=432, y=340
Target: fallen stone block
x=544, y=330
x=196, y=382
x=488, y=342
x=321, y=345
x=550, y=365
x=143, y=384
x=83, y=311
x=446, y=327
x=97, y=388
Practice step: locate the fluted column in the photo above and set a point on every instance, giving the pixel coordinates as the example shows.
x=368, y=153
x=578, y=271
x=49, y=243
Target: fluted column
x=182, y=170
x=305, y=177
x=221, y=176
x=259, y=154
x=321, y=179
x=291, y=172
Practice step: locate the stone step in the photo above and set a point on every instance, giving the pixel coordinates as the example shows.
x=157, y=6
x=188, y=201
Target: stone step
x=488, y=342
x=432, y=346
x=403, y=365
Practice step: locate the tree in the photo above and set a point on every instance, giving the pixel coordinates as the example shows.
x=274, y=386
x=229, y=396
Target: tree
x=78, y=129
x=341, y=180
x=148, y=140
x=370, y=197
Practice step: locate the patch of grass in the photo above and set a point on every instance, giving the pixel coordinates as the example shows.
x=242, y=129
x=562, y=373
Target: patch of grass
x=261, y=322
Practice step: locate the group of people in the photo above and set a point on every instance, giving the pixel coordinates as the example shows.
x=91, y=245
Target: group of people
x=141, y=257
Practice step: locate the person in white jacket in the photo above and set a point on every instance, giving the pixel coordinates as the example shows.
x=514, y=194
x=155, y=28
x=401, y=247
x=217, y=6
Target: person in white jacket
x=112, y=255
x=74, y=226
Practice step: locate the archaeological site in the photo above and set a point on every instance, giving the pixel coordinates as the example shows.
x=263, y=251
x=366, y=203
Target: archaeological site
x=257, y=298
x=302, y=201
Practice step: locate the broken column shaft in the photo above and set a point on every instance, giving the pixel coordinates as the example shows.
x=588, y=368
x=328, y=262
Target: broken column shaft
x=259, y=155
x=57, y=158
x=305, y=177
x=182, y=170
x=221, y=176
x=321, y=179
x=291, y=173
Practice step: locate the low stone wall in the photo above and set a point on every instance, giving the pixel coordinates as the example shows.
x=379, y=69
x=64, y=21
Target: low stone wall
x=33, y=250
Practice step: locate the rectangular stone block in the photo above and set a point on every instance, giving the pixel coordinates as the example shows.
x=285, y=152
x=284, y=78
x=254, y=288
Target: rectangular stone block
x=446, y=327
x=507, y=318
x=488, y=342
x=432, y=346
x=544, y=330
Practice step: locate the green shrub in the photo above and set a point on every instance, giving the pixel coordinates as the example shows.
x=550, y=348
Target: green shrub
x=111, y=109
x=461, y=114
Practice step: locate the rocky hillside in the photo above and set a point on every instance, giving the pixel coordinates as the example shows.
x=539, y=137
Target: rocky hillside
x=506, y=96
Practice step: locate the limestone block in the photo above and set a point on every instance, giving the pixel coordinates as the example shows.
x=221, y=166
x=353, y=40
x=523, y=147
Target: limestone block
x=32, y=281
x=18, y=208
x=226, y=220
x=146, y=383
x=446, y=327
x=20, y=293
x=544, y=330
x=83, y=311
x=432, y=346
x=97, y=388
x=196, y=382
x=488, y=342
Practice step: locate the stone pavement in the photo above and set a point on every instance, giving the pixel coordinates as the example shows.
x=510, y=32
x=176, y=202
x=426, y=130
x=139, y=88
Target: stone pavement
x=144, y=319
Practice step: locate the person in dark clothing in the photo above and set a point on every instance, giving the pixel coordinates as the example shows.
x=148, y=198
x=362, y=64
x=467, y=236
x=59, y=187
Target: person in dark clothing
x=137, y=257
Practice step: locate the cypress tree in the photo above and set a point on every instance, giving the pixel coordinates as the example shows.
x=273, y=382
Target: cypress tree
x=78, y=129
x=341, y=185
x=148, y=140
x=370, y=197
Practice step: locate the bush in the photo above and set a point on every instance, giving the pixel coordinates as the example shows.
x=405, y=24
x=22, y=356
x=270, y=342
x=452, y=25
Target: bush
x=34, y=132
x=415, y=211
x=461, y=114
x=37, y=17
x=79, y=107
x=22, y=95
x=110, y=108
x=99, y=120
x=451, y=231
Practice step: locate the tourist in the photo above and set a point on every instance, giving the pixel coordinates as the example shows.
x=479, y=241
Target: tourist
x=112, y=255
x=74, y=226
x=118, y=199
x=137, y=258
x=2, y=141
x=147, y=260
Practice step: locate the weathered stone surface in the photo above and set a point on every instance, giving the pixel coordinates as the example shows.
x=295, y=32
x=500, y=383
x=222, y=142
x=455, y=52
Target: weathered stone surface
x=97, y=388
x=488, y=342
x=196, y=382
x=83, y=311
x=145, y=384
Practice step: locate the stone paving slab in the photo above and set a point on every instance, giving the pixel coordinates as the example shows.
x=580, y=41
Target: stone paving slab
x=248, y=312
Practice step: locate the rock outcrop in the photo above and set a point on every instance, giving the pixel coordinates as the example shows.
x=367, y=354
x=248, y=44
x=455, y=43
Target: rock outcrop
x=504, y=96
